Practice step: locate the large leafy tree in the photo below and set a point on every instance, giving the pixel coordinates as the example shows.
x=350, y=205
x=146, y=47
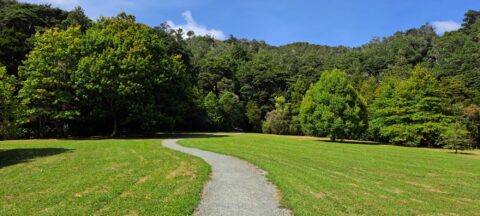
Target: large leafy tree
x=333, y=108
x=411, y=112
x=47, y=79
x=127, y=77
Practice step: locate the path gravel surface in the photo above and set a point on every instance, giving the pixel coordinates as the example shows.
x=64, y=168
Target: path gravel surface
x=236, y=187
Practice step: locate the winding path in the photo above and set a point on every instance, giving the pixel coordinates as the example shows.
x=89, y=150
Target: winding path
x=235, y=188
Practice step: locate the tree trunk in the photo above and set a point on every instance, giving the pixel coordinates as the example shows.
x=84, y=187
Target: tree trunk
x=115, y=127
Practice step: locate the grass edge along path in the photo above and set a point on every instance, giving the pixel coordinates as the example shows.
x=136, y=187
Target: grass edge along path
x=317, y=177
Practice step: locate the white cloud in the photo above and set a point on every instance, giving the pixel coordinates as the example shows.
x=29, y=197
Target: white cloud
x=445, y=26
x=192, y=25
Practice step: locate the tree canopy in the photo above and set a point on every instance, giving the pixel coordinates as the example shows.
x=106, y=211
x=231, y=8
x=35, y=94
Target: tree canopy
x=333, y=108
x=64, y=74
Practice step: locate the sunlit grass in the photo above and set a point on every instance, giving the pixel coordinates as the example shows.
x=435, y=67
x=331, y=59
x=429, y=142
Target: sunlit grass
x=98, y=177
x=323, y=178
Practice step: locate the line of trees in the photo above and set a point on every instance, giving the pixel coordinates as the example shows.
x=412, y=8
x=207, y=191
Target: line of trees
x=62, y=74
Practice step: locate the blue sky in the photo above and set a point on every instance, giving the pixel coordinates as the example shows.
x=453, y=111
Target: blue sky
x=279, y=22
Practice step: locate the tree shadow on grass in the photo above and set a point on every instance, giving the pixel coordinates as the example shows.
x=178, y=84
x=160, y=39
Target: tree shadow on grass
x=356, y=142
x=10, y=157
x=154, y=136
x=461, y=153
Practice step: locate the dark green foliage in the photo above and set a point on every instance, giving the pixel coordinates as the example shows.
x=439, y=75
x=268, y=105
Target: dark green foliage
x=9, y=106
x=471, y=17
x=472, y=115
x=114, y=74
x=232, y=110
x=77, y=17
x=277, y=121
x=254, y=116
x=124, y=63
x=262, y=78
x=18, y=22
x=224, y=113
x=214, y=110
x=457, y=55
x=333, y=108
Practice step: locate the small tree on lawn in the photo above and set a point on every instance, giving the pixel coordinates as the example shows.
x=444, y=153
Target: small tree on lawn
x=456, y=137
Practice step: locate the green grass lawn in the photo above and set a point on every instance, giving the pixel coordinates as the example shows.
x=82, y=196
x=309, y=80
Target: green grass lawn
x=323, y=178
x=98, y=177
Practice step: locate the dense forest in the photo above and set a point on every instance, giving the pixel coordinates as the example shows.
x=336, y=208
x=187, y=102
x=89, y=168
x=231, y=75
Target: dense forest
x=63, y=74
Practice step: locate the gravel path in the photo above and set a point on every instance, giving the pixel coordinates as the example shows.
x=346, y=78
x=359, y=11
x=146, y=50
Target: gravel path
x=236, y=187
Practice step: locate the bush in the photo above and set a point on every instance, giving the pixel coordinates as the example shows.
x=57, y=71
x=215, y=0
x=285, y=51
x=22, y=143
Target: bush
x=276, y=122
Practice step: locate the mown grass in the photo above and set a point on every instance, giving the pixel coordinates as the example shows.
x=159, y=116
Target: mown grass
x=323, y=178
x=98, y=177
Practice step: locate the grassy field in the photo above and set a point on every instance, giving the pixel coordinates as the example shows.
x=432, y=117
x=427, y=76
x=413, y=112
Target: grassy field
x=323, y=178
x=98, y=177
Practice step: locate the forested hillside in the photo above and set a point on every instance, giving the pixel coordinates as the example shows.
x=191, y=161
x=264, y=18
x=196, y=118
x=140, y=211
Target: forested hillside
x=63, y=74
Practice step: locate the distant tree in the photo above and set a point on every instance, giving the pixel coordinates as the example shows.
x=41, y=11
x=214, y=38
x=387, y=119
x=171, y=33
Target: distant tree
x=277, y=121
x=77, y=17
x=9, y=106
x=231, y=109
x=297, y=91
x=214, y=110
x=470, y=18
x=456, y=55
x=333, y=108
x=262, y=78
x=216, y=72
x=367, y=89
x=47, y=80
x=254, y=116
x=456, y=137
x=18, y=22
x=472, y=114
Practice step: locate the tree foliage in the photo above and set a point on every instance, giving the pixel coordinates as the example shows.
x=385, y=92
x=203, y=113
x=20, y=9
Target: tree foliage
x=68, y=75
x=9, y=107
x=333, y=108
x=47, y=80
x=455, y=137
x=124, y=63
x=277, y=121
x=411, y=112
